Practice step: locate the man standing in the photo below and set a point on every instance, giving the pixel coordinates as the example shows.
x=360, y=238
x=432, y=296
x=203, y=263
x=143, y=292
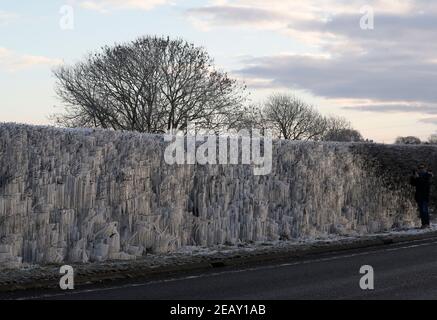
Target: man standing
x=421, y=179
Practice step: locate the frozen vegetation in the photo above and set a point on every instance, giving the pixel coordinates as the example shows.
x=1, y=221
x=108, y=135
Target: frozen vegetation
x=96, y=195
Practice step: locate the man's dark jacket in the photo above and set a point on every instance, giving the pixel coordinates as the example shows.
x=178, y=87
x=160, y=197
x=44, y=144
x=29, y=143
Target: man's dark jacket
x=423, y=186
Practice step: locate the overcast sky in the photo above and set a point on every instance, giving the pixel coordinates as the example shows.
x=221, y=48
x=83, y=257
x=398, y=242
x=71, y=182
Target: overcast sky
x=383, y=79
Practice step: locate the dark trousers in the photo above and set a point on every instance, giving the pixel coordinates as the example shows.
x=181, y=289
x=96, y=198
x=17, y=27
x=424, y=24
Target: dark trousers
x=424, y=212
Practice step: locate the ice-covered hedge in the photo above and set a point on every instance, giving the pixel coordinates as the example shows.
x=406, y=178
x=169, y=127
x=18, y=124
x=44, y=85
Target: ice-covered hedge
x=93, y=195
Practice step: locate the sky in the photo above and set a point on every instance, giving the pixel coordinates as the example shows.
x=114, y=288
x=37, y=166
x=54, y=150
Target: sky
x=371, y=61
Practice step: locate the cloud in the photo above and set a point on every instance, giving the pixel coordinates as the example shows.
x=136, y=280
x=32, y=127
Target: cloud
x=12, y=61
x=408, y=33
x=282, y=13
x=432, y=120
x=394, y=108
x=393, y=67
x=7, y=17
x=373, y=76
x=397, y=61
x=105, y=6
x=230, y=15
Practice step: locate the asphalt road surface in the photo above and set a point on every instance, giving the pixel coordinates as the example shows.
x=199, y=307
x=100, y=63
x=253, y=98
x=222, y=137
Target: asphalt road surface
x=402, y=271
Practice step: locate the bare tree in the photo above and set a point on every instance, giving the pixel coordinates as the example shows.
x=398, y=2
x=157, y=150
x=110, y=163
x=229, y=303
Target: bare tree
x=408, y=140
x=344, y=135
x=432, y=139
x=152, y=84
x=336, y=123
x=340, y=130
x=292, y=119
x=249, y=118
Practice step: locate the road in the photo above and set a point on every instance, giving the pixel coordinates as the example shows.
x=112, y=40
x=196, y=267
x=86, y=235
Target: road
x=402, y=271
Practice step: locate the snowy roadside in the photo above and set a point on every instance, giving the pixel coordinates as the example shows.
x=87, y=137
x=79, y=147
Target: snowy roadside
x=200, y=258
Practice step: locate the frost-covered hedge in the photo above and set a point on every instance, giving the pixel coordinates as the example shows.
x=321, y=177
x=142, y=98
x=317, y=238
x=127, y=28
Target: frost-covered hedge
x=93, y=195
